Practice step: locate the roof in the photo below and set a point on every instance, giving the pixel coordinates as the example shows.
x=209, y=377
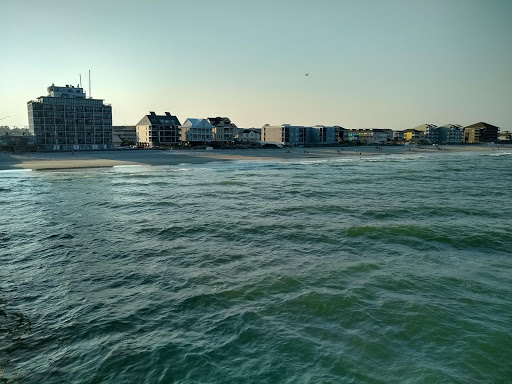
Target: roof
x=482, y=125
x=203, y=123
x=153, y=118
x=221, y=121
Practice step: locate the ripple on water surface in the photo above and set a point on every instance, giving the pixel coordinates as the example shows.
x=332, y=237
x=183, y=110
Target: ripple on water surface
x=379, y=270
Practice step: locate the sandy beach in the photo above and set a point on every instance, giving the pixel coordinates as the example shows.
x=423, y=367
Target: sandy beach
x=96, y=159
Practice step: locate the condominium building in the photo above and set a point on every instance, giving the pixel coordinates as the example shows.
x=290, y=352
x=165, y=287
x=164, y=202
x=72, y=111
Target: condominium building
x=341, y=134
x=285, y=134
x=431, y=132
x=320, y=134
x=224, y=130
x=505, y=136
x=66, y=120
x=450, y=134
x=414, y=135
x=381, y=136
x=154, y=130
x=126, y=133
x=480, y=133
x=251, y=135
x=369, y=135
x=197, y=131
x=399, y=136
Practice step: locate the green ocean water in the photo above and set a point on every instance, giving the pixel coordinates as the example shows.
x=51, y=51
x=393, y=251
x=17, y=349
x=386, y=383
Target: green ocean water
x=385, y=269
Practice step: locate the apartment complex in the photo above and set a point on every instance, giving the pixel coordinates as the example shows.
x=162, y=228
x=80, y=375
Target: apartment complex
x=450, y=134
x=480, y=133
x=224, y=130
x=251, y=135
x=197, y=131
x=126, y=133
x=66, y=120
x=154, y=130
x=286, y=134
x=430, y=131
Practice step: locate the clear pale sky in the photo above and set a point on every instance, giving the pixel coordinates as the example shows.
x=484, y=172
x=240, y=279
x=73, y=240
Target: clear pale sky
x=371, y=63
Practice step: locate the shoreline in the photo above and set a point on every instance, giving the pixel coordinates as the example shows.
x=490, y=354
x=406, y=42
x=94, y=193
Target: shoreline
x=148, y=157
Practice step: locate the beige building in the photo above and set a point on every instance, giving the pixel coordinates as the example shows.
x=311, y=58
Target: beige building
x=251, y=135
x=197, y=131
x=480, y=133
x=224, y=130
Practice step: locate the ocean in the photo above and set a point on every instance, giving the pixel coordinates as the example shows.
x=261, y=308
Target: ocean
x=380, y=269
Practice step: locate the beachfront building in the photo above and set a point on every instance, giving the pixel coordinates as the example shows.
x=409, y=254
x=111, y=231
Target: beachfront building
x=66, y=120
x=125, y=134
x=285, y=134
x=17, y=139
x=414, y=135
x=224, y=130
x=368, y=135
x=505, y=136
x=341, y=134
x=197, y=131
x=480, y=133
x=450, y=134
x=398, y=136
x=320, y=134
x=154, y=130
x=251, y=135
x=431, y=132
x=380, y=136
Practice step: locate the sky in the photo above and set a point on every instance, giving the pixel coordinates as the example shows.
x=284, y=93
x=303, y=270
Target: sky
x=370, y=63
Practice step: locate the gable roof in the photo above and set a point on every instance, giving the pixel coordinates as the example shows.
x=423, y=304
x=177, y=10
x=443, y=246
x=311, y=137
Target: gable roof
x=200, y=123
x=482, y=125
x=153, y=118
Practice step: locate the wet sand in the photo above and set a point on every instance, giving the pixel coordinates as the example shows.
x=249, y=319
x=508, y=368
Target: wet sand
x=95, y=159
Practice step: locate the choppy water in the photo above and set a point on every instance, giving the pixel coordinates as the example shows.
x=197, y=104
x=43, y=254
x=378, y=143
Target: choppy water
x=393, y=269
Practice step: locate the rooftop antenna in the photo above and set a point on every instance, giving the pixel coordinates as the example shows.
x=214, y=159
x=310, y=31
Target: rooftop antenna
x=80, y=80
x=90, y=94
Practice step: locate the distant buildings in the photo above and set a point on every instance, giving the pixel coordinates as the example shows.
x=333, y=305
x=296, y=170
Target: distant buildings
x=431, y=132
x=287, y=134
x=224, y=130
x=284, y=134
x=505, y=136
x=366, y=136
x=154, y=130
x=197, y=131
x=450, y=134
x=320, y=134
x=480, y=133
x=66, y=120
x=125, y=133
x=414, y=135
x=251, y=135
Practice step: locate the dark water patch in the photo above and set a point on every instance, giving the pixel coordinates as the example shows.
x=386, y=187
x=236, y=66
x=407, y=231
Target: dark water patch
x=65, y=236
x=454, y=236
x=231, y=183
